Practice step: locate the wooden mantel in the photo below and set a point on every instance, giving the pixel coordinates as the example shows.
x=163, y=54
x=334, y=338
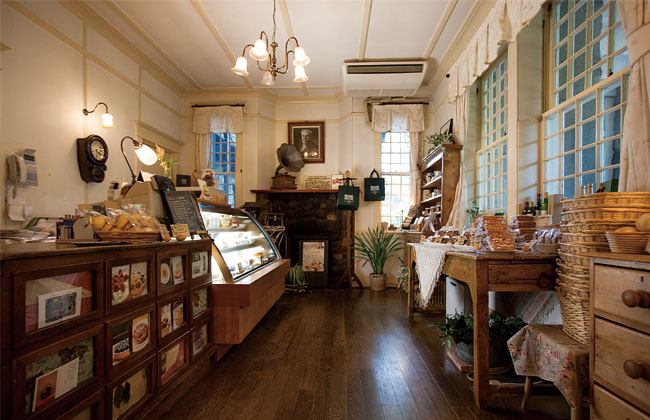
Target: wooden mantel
x=287, y=191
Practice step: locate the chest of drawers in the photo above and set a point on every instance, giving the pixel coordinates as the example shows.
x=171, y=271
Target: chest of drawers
x=620, y=349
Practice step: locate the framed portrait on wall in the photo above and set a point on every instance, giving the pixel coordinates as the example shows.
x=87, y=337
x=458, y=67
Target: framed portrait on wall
x=309, y=139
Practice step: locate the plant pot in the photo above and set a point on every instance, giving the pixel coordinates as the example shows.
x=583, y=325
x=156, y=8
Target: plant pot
x=499, y=355
x=378, y=282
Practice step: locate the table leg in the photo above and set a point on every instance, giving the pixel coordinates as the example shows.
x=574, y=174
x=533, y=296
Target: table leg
x=576, y=412
x=481, y=337
x=528, y=387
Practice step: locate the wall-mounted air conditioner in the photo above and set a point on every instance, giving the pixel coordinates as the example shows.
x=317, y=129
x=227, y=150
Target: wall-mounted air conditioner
x=385, y=78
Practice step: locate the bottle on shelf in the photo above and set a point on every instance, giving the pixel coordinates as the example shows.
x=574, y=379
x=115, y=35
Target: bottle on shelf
x=590, y=188
x=538, y=204
x=524, y=209
x=582, y=190
x=544, y=209
x=601, y=188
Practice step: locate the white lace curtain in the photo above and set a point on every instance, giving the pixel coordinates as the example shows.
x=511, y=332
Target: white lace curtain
x=635, y=147
x=214, y=119
x=403, y=119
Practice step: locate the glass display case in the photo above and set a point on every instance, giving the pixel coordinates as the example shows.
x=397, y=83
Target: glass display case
x=242, y=246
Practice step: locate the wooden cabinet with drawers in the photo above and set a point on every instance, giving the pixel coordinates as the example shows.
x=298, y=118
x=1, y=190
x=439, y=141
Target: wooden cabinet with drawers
x=620, y=351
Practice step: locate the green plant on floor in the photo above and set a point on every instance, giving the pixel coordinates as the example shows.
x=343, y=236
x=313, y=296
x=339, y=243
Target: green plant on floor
x=460, y=329
x=375, y=247
x=296, y=280
x=403, y=277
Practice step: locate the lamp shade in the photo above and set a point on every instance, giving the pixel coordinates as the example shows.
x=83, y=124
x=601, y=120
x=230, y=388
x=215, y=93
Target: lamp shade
x=146, y=154
x=240, y=66
x=107, y=120
x=300, y=75
x=300, y=58
x=267, y=79
x=259, y=52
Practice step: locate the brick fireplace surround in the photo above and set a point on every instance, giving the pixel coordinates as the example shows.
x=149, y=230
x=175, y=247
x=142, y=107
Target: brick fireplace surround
x=310, y=214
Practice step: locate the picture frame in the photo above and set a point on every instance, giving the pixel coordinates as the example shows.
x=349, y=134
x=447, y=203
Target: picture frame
x=138, y=387
x=314, y=256
x=309, y=139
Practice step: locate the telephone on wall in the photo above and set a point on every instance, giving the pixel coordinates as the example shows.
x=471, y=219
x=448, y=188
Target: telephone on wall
x=22, y=168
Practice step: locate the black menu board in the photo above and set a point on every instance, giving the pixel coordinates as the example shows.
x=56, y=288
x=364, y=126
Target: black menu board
x=181, y=206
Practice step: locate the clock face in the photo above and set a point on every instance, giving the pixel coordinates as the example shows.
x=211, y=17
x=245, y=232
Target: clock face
x=98, y=150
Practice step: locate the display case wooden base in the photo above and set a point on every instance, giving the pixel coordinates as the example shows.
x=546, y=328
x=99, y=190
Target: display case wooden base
x=238, y=307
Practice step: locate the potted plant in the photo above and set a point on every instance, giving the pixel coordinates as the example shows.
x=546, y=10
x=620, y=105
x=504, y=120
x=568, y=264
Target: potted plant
x=296, y=280
x=375, y=247
x=439, y=139
x=458, y=331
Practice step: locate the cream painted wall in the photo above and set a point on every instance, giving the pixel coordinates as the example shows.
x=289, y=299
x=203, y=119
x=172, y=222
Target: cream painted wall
x=55, y=66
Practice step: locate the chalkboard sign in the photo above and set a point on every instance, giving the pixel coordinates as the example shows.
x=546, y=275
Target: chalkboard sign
x=182, y=207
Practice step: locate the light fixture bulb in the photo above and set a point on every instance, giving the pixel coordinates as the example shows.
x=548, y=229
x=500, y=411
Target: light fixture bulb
x=300, y=58
x=259, y=52
x=240, y=66
x=146, y=154
x=267, y=79
x=300, y=75
x=107, y=120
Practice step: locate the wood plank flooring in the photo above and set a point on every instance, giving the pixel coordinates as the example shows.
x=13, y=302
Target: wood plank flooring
x=344, y=355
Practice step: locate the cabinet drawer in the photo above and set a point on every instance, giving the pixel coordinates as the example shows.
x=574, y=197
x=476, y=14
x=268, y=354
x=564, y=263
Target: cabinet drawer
x=609, y=285
x=607, y=406
x=614, y=345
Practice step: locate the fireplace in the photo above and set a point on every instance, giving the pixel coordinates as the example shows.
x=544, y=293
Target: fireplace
x=310, y=215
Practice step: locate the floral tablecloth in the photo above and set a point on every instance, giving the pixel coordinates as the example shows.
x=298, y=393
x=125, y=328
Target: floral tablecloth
x=547, y=352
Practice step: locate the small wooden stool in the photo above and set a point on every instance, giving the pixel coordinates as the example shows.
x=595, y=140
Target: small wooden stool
x=547, y=352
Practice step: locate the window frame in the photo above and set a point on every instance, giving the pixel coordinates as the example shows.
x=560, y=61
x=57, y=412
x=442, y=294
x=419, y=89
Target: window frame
x=231, y=196
x=392, y=218
x=483, y=149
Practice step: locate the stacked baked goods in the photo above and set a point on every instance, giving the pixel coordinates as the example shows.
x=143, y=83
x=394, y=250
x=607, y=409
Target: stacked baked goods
x=522, y=227
x=127, y=224
x=585, y=221
x=493, y=234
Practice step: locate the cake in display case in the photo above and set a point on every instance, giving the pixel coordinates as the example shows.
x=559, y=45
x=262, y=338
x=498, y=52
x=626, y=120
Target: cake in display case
x=243, y=246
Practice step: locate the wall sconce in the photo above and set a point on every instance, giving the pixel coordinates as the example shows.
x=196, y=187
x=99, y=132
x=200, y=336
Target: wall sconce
x=107, y=119
x=144, y=153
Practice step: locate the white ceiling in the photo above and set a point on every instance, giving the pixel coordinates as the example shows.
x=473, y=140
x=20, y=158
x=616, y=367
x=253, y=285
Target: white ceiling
x=197, y=41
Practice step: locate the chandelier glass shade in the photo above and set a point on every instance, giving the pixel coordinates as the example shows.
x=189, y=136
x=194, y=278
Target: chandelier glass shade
x=260, y=52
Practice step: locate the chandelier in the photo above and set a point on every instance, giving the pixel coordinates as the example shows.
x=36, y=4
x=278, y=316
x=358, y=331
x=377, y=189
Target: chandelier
x=260, y=53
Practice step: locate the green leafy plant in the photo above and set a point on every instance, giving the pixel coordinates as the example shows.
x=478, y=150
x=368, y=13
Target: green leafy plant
x=460, y=328
x=166, y=164
x=296, y=279
x=375, y=247
x=403, y=277
x=472, y=212
x=440, y=138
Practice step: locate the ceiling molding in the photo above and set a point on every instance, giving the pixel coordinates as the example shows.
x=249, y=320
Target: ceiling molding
x=311, y=99
x=228, y=93
x=365, y=24
x=89, y=16
x=136, y=27
x=156, y=136
x=477, y=15
x=442, y=23
x=217, y=35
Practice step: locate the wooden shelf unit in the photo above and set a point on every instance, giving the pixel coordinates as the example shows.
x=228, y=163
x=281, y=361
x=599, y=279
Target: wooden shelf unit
x=446, y=159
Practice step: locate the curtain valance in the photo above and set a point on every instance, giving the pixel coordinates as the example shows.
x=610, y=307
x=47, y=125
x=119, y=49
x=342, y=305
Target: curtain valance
x=397, y=118
x=218, y=119
x=506, y=19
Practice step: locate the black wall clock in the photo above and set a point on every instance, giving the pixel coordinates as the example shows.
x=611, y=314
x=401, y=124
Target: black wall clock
x=92, y=154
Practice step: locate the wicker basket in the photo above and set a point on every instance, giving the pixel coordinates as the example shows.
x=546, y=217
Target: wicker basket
x=616, y=199
x=130, y=237
x=585, y=238
x=575, y=314
x=574, y=260
x=628, y=243
x=573, y=270
x=576, y=248
x=578, y=282
x=595, y=214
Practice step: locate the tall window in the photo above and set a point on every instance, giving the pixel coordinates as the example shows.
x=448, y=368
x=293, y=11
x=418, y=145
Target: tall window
x=588, y=44
x=582, y=131
x=222, y=160
x=396, y=170
x=492, y=156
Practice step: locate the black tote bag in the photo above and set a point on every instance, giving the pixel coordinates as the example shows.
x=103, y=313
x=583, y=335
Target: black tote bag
x=374, y=188
x=348, y=196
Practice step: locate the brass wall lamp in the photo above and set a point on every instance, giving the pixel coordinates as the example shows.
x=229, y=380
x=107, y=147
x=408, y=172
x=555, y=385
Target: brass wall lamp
x=107, y=119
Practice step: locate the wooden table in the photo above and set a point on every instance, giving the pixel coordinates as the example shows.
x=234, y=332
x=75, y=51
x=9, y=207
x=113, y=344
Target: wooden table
x=483, y=273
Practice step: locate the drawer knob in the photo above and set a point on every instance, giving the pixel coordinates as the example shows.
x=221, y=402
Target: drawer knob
x=636, y=370
x=634, y=298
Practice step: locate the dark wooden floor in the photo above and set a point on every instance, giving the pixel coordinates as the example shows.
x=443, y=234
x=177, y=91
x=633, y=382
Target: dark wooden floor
x=344, y=355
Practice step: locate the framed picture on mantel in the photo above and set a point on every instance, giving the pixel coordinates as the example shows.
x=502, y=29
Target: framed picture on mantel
x=309, y=139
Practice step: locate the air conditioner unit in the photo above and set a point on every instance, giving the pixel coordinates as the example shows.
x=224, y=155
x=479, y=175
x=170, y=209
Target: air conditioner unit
x=385, y=78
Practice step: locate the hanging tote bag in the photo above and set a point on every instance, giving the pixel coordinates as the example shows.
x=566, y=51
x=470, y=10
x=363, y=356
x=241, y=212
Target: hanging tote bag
x=374, y=188
x=348, y=196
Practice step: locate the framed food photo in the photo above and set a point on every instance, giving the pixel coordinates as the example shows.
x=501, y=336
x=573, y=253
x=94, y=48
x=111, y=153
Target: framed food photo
x=309, y=139
x=314, y=259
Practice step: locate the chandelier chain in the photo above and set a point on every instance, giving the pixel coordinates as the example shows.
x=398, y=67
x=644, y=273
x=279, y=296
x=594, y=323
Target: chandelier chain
x=274, y=25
